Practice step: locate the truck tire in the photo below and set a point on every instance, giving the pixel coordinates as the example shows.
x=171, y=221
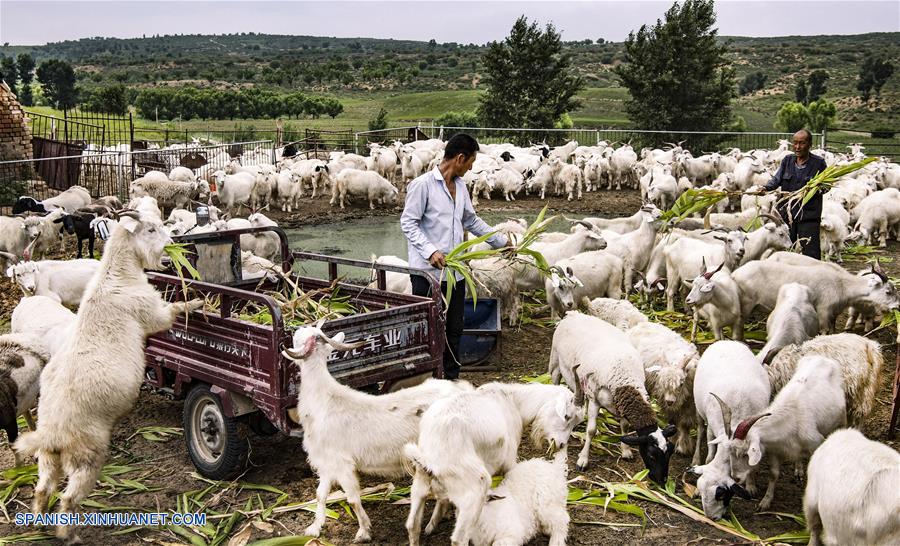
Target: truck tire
x=214, y=444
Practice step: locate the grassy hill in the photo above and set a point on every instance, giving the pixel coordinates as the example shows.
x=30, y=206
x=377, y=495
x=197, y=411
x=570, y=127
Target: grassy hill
x=418, y=81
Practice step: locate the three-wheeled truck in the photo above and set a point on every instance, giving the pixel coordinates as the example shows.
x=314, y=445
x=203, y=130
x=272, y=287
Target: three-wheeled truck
x=229, y=370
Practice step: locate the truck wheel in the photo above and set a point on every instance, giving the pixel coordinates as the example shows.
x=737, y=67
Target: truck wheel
x=216, y=447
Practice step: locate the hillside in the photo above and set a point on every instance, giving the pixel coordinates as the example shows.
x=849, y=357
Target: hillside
x=419, y=80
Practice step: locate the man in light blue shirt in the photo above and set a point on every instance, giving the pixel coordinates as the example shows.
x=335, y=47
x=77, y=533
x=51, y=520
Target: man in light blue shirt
x=437, y=212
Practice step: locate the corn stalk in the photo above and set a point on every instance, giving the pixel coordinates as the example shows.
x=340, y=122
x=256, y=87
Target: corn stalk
x=822, y=182
x=457, y=260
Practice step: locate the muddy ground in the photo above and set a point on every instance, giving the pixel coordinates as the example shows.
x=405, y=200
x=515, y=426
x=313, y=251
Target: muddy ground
x=278, y=461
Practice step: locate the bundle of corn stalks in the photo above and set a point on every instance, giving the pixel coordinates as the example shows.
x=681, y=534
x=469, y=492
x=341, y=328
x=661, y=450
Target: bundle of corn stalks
x=299, y=307
x=457, y=261
x=823, y=182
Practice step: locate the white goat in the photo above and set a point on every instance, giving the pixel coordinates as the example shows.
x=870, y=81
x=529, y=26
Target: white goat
x=807, y=409
x=861, y=362
x=95, y=379
x=345, y=431
x=860, y=507
x=62, y=280
x=729, y=386
x=598, y=361
x=792, y=321
x=465, y=439
x=620, y=313
x=586, y=275
x=530, y=499
x=44, y=318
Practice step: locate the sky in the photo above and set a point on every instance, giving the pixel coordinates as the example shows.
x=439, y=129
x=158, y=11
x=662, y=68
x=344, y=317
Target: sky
x=37, y=22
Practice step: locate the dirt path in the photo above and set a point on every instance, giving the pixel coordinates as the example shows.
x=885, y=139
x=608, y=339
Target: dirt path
x=278, y=461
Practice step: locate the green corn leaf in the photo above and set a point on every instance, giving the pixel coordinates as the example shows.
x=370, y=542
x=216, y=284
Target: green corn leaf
x=178, y=252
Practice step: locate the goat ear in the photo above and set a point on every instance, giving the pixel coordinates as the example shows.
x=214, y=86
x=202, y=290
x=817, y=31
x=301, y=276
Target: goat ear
x=754, y=454
x=739, y=491
x=562, y=402
x=339, y=337
x=129, y=223
x=9, y=272
x=723, y=494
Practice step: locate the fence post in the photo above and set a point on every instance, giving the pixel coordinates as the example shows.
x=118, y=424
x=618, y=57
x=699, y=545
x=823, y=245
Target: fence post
x=824, y=138
x=130, y=130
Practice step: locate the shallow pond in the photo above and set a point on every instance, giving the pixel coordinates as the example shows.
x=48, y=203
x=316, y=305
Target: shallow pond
x=379, y=235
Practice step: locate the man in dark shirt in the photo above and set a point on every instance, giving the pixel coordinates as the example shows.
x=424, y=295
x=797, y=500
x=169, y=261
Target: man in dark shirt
x=794, y=172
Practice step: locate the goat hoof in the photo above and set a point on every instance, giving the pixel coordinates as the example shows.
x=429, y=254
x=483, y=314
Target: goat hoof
x=362, y=536
x=581, y=467
x=312, y=531
x=428, y=530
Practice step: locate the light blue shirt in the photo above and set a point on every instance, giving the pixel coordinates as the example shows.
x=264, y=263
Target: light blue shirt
x=432, y=221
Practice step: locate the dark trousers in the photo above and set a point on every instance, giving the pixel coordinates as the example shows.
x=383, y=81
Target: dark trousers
x=454, y=323
x=808, y=233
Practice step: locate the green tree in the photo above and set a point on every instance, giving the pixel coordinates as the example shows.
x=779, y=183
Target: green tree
x=112, y=99
x=333, y=107
x=457, y=119
x=801, y=93
x=58, y=81
x=821, y=114
x=792, y=117
x=530, y=81
x=752, y=82
x=25, y=66
x=677, y=72
x=873, y=74
x=817, y=86
x=8, y=73
x=380, y=121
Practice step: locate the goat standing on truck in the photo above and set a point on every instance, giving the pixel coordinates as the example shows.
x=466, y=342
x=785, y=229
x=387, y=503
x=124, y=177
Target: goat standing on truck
x=437, y=211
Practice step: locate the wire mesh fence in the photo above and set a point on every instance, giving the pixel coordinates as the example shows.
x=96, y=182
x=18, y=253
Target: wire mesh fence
x=110, y=173
x=696, y=141
x=884, y=143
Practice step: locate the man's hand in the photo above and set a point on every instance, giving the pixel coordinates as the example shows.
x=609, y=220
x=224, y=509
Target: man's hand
x=437, y=259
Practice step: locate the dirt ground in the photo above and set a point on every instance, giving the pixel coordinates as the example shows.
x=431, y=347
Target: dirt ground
x=278, y=461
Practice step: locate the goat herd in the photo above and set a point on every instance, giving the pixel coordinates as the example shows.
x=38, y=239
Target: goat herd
x=791, y=400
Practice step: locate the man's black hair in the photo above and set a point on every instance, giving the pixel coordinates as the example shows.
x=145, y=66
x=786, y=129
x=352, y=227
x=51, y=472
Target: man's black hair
x=460, y=143
x=808, y=135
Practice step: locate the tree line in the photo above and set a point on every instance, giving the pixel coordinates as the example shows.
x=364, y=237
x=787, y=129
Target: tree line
x=58, y=85
x=191, y=103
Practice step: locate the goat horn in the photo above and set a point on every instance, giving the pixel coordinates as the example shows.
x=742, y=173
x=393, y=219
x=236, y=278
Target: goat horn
x=339, y=345
x=877, y=270
x=588, y=225
x=292, y=354
x=709, y=274
x=740, y=433
x=726, y=414
x=10, y=256
x=579, y=394
x=777, y=219
x=639, y=274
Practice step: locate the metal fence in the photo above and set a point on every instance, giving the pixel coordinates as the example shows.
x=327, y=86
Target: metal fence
x=885, y=143
x=696, y=141
x=42, y=178
x=110, y=173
